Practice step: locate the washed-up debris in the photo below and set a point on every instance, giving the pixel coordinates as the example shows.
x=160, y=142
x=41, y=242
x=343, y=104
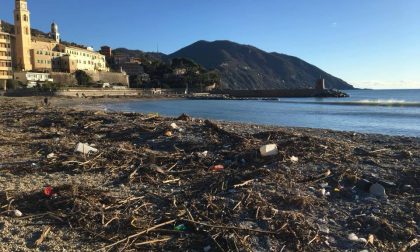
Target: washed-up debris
x=157, y=168
x=406, y=154
x=17, y=213
x=174, y=126
x=217, y=168
x=203, y=154
x=207, y=249
x=184, y=117
x=413, y=243
x=43, y=236
x=85, y=148
x=269, y=150
x=51, y=156
x=294, y=159
x=205, y=189
x=48, y=191
x=181, y=227
x=168, y=133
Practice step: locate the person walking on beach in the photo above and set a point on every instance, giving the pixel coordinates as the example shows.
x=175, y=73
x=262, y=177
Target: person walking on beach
x=46, y=102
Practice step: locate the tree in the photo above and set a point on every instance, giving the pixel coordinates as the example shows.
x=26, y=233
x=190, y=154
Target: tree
x=14, y=84
x=83, y=79
x=136, y=81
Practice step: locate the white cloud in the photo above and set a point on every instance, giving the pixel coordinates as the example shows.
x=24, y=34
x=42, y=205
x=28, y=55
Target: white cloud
x=334, y=24
x=373, y=84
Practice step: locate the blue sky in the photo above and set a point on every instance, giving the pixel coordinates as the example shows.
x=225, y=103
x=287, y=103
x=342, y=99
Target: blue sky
x=369, y=43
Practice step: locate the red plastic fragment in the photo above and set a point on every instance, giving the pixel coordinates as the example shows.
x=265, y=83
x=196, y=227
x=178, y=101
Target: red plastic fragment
x=217, y=168
x=48, y=191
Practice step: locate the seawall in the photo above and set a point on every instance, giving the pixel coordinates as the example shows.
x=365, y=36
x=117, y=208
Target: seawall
x=109, y=77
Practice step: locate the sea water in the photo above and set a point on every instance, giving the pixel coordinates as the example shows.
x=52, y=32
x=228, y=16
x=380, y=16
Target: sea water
x=391, y=112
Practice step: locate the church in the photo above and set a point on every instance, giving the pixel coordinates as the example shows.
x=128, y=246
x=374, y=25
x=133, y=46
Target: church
x=49, y=54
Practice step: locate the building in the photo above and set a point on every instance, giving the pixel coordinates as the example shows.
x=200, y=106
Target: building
x=121, y=58
x=48, y=54
x=5, y=58
x=133, y=68
x=106, y=51
x=180, y=71
x=320, y=85
x=31, y=79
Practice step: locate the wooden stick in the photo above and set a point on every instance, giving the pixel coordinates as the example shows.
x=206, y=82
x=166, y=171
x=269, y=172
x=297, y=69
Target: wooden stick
x=139, y=234
x=153, y=241
x=316, y=236
x=244, y=183
x=171, y=181
x=232, y=228
x=43, y=236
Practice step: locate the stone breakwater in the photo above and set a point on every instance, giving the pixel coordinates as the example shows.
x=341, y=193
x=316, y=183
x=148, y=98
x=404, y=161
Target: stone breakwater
x=281, y=93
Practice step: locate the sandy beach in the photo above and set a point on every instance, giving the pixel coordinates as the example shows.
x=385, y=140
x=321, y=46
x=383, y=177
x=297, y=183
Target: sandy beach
x=166, y=184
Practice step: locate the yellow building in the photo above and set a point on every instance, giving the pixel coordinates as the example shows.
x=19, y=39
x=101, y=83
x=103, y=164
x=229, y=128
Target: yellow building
x=5, y=58
x=49, y=54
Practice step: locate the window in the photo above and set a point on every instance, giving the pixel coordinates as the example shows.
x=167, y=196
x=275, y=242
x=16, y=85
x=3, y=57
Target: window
x=26, y=31
x=25, y=18
x=17, y=17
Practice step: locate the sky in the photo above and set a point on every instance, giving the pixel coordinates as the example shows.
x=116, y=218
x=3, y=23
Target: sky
x=368, y=43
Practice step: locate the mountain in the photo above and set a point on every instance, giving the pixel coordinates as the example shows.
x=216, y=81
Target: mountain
x=247, y=67
x=140, y=54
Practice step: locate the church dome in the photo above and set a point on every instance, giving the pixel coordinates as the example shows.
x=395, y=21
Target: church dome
x=54, y=28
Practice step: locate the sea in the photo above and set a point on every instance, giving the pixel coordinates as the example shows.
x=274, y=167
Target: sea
x=389, y=112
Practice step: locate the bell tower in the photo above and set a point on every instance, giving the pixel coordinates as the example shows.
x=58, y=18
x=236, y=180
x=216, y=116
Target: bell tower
x=23, y=35
x=54, y=32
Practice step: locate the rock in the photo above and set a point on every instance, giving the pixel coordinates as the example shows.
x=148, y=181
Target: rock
x=364, y=184
x=207, y=249
x=269, y=150
x=353, y=237
x=324, y=229
x=294, y=159
x=203, y=154
x=17, y=213
x=324, y=185
x=407, y=188
x=376, y=211
x=362, y=240
x=377, y=190
x=406, y=154
x=84, y=148
x=361, y=152
x=184, y=117
x=157, y=168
